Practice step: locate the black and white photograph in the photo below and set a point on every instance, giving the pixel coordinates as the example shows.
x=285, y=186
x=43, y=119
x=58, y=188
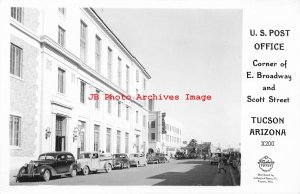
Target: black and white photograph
x=125, y=96
x=150, y=96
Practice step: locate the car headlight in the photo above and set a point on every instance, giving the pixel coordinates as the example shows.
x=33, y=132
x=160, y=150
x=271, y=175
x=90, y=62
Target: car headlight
x=22, y=171
x=35, y=164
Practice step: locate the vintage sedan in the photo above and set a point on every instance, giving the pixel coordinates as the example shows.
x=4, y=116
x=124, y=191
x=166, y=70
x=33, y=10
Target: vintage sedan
x=156, y=158
x=49, y=165
x=137, y=160
x=214, y=159
x=161, y=157
x=121, y=161
x=151, y=159
x=94, y=162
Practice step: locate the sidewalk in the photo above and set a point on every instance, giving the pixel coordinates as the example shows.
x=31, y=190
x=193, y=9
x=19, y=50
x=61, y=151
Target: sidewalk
x=12, y=175
x=234, y=176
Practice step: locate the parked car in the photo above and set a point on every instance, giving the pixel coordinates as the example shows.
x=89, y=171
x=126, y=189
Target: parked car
x=93, y=161
x=167, y=156
x=180, y=155
x=121, y=161
x=157, y=158
x=49, y=165
x=192, y=156
x=214, y=158
x=137, y=160
x=152, y=159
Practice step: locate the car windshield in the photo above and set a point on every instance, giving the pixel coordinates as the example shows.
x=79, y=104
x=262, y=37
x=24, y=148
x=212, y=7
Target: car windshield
x=85, y=155
x=46, y=157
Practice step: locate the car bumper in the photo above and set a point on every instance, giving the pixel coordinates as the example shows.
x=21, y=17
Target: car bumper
x=28, y=175
x=152, y=161
x=117, y=165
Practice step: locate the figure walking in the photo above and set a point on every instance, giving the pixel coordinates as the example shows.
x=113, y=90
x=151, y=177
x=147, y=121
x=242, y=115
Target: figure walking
x=221, y=164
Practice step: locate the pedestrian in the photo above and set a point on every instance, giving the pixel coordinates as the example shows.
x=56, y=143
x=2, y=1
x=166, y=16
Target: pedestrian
x=221, y=164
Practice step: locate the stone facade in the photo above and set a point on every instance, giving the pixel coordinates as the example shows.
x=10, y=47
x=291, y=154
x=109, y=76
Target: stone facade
x=52, y=120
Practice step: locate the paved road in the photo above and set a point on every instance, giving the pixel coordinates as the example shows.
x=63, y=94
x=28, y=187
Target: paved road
x=177, y=172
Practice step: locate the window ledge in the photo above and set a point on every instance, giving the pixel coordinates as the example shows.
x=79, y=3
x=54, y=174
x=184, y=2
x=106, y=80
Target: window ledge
x=16, y=77
x=15, y=148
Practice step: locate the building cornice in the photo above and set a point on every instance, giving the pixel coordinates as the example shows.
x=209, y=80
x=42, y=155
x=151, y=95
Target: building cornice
x=46, y=41
x=116, y=40
x=24, y=29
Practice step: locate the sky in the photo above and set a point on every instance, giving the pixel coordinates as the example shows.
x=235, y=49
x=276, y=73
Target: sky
x=193, y=51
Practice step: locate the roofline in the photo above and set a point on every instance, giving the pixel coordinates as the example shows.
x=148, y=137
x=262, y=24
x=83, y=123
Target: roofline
x=122, y=45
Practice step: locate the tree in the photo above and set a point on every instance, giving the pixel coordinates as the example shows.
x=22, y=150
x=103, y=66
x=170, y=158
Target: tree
x=192, y=146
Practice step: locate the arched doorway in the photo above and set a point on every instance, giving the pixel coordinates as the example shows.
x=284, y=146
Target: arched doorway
x=150, y=150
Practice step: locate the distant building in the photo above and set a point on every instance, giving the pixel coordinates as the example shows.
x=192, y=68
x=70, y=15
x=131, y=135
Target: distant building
x=164, y=139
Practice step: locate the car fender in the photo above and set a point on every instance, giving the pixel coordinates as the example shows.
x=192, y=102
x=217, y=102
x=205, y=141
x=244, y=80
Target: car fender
x=106, y=163
x=75, y=166
x=42, y=169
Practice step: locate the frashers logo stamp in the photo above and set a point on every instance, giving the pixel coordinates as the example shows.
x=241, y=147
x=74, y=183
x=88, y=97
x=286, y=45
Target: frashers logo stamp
x=266, y=164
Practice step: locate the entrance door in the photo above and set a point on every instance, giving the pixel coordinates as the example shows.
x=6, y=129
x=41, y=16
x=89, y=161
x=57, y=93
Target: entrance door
x=60, y=132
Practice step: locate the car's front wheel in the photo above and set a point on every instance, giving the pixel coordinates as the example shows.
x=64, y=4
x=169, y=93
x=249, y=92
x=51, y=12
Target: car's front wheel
x=108, y=168
x=86, y=170
x=46, y=175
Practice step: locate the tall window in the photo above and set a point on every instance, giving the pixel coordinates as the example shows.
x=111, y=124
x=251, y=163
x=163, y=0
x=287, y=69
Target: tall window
x=82, y=135
x=62, y=10
x=109, y=106
x=109, y=64
x=83, y=41
x=61, y=80
x=137, y=76
x=17, y=13
x=119, y=109
x=118, y=142
x=119, y=71
x=108, y=140
x=16, y=60
x=14, y=130
x=152, y=136
x=96, y=137
x=137, y=116
x=61, y=36
x=152, y=124
x=97, y=102
x=127, y=113
x=98, y=54
x=137, y=142
x=127, y=78
x=82, y=92
x=126, y=142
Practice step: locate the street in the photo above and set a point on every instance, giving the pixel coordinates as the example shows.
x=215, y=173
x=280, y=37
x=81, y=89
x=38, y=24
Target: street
x=194, y=172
